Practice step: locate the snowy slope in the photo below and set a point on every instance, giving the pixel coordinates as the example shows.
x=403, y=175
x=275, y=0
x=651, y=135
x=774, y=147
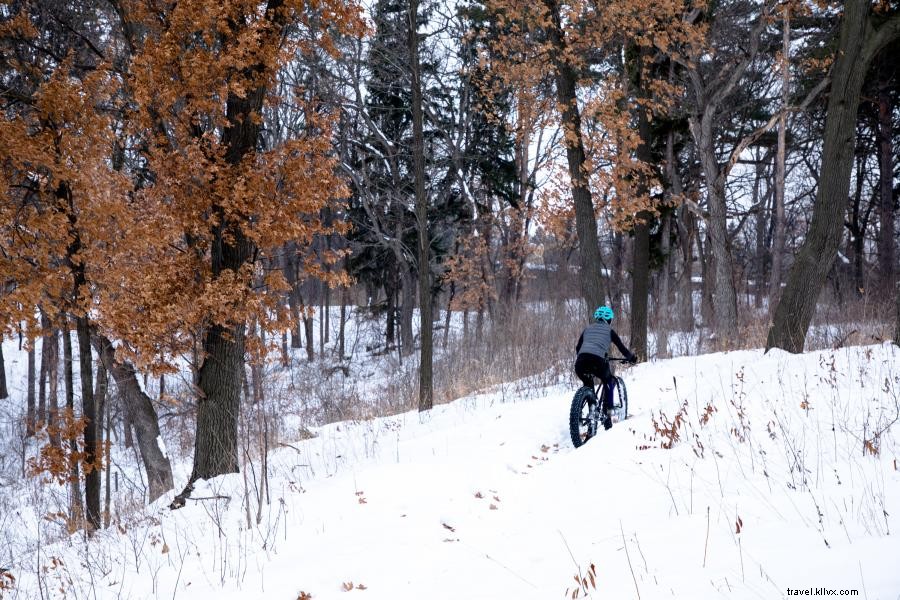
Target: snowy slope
x=788, y=480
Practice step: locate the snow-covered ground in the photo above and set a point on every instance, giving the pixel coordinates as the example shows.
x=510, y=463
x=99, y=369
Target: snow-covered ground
x=782, y=475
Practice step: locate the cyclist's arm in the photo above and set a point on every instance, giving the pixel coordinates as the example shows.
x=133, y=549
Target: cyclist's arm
x=618, y=342
x=578, y=345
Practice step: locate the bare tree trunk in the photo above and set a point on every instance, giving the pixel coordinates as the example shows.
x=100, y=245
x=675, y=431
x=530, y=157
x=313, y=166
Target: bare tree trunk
x=215, y=447
x=778, y=238
x=859, y=43
x=4, y=393
x=761, y=202
x=322, y=311
x=92, y=451
x=343, y=322
x=426, y=399
x=640, y=272
x=103, y=442
x=662, y=299
x=108, y=462
x=585, y=221
x=53, y=387
x=77, y=505
x=707, y=266
x=44, y=370
x=30, y=410
x=886, y=250
x=139, y=411
x=309, y=330
x=406, y=310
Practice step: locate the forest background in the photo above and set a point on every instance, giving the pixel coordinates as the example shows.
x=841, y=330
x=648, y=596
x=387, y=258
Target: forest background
x=190, y=187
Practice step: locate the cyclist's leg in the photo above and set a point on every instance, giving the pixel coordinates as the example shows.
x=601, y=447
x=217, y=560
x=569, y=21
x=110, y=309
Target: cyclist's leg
x=606, y=376
x=585, y=368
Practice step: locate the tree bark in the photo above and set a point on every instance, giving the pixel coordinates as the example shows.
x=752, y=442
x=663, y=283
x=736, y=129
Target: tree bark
x=30, y=398
x=778, y=238
x=662, y=300
x=77, y=504
x=51, y=340
x=408, y=290
x=640, y=272
x=886, y=250
x=585, y=221
x=723, y=296
x=103, y=442
x=4, y=393
x=41, y=415
x=139, y=411
x=93, y=454
x=426, y=399
x=858, y=44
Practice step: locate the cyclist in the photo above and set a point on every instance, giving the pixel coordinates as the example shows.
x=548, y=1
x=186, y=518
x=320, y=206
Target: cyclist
x=592, y=349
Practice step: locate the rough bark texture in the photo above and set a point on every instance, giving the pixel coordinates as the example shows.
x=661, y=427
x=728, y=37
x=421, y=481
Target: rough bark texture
x=408, y=290
x=140, y=412
x=585, y=222
x=93, y=456
x=778, y=237
x=52, y=415
x=858, y=44
x=722, y=292
x=640, y=272
x=215, y=446
x=426, y=400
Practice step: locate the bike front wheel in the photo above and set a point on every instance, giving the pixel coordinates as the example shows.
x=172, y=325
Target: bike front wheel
x=620, y=401
x=583, y=416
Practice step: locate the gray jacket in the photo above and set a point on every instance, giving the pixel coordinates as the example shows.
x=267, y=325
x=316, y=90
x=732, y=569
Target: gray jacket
x=595, y=339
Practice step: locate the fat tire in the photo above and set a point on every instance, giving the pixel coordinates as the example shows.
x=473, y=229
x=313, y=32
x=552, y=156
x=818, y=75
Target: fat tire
x=584, y=395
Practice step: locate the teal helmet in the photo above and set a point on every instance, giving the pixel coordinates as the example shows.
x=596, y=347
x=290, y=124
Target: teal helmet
x=603, y=313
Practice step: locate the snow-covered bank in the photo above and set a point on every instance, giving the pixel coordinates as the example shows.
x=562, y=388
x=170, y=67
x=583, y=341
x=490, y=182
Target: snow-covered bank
x=783, y=475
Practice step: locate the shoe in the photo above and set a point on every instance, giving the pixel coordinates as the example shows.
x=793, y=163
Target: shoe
x=607, y=420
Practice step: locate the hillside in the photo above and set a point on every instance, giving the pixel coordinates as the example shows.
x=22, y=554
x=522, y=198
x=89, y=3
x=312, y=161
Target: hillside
x=782, y=474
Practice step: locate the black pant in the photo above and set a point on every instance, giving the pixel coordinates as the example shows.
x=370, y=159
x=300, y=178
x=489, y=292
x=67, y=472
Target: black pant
x=588, y=366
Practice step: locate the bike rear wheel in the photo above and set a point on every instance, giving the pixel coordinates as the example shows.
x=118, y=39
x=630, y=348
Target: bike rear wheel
x=582, y=416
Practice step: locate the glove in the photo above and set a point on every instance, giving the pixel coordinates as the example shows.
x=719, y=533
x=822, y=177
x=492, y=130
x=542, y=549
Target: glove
x=631, y=358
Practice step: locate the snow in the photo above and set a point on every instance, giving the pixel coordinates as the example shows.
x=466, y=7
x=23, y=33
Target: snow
x=485, y=498
x=162, y=446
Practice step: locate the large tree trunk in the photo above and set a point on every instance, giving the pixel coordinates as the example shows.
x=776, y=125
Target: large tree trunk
x=721, y=285
x=51, y=340
x=640, y=272
x=139, y=411
x=778, y=237
x=30, y=410
x=77, y=506
x=426, y=400
x=93, y=455
x=585, y=221
x=858, y=44
x=41, y=416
